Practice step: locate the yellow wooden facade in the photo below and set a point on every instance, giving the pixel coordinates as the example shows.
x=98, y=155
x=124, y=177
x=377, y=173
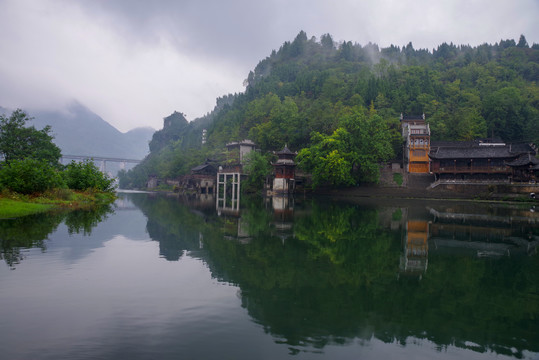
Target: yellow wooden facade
x=418, y=154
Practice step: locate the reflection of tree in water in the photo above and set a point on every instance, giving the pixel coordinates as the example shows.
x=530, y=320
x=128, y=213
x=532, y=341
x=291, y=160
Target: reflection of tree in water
x=333, y=278
x=31, y=231
x=175, y=225
x=24, y=233
x=83, y=221
x=336, y=280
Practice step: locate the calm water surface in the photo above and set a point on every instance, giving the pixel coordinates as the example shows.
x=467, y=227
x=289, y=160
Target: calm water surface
x=157, y=277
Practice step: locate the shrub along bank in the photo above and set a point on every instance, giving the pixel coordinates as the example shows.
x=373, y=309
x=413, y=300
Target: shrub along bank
x=31, y=186
x=32, y=178
x=16, y=205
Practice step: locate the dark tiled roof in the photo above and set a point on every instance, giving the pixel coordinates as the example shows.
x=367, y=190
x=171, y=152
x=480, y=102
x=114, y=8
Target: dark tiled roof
x=202, y=167
x=477, y=150
x=522, y=148
x=285, y=151
x=460, y=144
x=484, y=152
x=524, y=160
x=412, y=117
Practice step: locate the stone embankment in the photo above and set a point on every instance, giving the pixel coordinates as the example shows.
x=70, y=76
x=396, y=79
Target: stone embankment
x=419, y=186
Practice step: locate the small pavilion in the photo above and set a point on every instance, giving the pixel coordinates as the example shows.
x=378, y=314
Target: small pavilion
x=284, y=182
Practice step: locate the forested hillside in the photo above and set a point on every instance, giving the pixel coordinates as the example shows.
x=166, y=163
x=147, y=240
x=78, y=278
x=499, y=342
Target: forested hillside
x=338, y=104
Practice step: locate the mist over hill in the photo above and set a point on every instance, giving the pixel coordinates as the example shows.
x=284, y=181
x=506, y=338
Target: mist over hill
x=318, y=97
x=79, y=131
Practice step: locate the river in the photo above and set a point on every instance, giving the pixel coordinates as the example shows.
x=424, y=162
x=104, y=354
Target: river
x=168, y=277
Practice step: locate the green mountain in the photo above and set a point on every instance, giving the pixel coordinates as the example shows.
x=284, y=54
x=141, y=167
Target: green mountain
x=79, y=131
x=338, y=104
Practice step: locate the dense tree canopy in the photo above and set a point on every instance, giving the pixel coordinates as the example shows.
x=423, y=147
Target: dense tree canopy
x=31, y=161
x=299, y=94
x=18, y=142
x=351, y=153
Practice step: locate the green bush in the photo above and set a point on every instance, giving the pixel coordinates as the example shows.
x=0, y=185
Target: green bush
x=398, y=179
x=29, y=176
x=85, y=175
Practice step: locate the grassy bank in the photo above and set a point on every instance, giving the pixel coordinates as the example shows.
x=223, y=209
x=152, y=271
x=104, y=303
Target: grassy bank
x=14, y=208
x=16, y=205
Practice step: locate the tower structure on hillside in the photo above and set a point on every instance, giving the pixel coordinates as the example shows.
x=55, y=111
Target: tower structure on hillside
x=416, y=132
x=204, y=136
x=284, y=181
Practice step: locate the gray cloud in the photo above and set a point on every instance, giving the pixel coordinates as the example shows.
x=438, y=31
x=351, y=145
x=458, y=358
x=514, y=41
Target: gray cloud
x=134, y=61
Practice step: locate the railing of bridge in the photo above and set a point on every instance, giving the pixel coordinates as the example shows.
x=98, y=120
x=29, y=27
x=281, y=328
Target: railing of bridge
x=99, y=158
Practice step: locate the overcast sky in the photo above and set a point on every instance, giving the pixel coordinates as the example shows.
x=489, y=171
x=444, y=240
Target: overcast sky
x=134, y=62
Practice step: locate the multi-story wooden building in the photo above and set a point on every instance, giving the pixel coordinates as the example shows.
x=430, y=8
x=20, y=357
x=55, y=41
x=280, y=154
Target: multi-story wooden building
x=416, y=132
x=481, y=160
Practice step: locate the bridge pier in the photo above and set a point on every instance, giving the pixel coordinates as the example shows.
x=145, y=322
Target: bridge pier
x=103, y=167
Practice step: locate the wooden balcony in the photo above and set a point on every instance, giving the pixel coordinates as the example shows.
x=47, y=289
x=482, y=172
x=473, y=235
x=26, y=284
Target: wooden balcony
x=471, y=170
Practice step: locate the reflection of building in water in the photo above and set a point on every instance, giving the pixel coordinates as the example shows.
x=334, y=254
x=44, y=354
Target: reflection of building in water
x=484, y=235
x=283, y=216
x=414, y=259
x=453, y=231
x=235, y=227
x=203, y=202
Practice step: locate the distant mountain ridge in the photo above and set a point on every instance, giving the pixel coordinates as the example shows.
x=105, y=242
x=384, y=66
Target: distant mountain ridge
x=79, y=131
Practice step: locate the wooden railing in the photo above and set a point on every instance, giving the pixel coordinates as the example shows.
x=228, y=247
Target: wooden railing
x=472, y=169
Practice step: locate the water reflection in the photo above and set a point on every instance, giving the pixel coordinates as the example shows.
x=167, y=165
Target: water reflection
x=414, y=259
x=487, y=232
x=316, y=274
x=32, y=231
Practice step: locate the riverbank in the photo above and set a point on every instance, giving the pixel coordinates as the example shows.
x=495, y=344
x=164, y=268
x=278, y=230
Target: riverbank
x=474, y=192
x=17, y=205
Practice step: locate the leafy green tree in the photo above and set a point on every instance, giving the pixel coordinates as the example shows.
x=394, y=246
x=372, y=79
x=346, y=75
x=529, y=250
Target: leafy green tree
x=29, y=176
x=20, y=142
x=370, y=141
x=328, y=159
x=327, y=42
x=505, y=112
x=85, y=176
x=258, y=168
x=352, y=153
x=522, y=43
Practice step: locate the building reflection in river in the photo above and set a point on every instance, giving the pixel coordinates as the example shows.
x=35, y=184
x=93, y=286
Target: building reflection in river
x=414, y=259
x=454, y=231
x=283, y=216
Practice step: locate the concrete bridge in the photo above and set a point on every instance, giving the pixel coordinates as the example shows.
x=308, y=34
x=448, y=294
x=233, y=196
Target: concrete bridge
x=102, y=159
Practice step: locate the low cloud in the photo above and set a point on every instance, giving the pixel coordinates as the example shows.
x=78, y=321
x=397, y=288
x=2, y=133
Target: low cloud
x=133, y=62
